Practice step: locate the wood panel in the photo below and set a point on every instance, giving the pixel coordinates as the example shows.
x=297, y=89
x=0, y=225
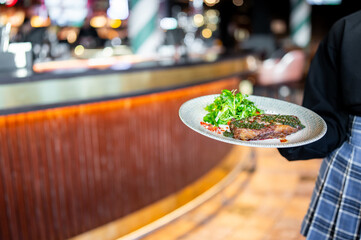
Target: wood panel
x=68, y=170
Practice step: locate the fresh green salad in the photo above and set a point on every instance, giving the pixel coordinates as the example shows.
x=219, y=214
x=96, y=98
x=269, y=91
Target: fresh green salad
x=229, y=105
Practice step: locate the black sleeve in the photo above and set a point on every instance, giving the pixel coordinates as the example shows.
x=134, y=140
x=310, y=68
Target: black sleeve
x=322, y=95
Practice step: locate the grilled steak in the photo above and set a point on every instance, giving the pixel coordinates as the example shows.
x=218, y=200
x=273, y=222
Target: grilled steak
x=265, y=126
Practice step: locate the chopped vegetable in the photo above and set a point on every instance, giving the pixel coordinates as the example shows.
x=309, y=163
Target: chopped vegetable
x=229, y=105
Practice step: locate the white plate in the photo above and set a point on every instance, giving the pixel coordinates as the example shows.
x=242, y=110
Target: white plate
x=192, y=113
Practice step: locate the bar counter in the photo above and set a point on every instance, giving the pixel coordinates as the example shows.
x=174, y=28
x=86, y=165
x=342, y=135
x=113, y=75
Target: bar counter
x=80, y=150
x=71, y=86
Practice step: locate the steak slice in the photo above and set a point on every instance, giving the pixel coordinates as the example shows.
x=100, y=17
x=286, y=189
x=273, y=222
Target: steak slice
x=265, y=126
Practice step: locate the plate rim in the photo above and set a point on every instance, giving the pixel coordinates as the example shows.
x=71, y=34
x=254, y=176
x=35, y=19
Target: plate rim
x=255, y=143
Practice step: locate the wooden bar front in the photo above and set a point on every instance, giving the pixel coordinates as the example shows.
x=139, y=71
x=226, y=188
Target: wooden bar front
x=67, y=170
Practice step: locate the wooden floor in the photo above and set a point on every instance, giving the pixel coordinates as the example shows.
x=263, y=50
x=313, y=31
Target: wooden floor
x=267, y=202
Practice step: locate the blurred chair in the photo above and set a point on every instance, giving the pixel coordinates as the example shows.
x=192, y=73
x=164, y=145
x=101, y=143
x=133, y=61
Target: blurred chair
x=287, y=69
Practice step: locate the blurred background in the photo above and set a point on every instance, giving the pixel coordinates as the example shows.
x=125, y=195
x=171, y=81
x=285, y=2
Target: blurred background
x=170, y=30
x=91, y=143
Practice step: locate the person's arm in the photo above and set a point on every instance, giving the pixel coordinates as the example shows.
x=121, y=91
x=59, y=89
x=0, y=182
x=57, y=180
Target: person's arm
x=322, y=95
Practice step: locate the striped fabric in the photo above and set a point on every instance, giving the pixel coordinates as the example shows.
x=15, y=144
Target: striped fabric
x=335, y=208
x=300, y=22
x=143, y=29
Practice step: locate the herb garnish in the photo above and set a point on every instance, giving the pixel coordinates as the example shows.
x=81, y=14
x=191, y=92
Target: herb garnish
x=230, y=105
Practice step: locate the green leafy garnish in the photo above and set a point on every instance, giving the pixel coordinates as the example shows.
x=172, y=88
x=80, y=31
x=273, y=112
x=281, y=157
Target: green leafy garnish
x=229, y=105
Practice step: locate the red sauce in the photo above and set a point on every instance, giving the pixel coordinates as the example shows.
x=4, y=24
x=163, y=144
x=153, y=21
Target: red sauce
x=283, y=140
x=212, y=128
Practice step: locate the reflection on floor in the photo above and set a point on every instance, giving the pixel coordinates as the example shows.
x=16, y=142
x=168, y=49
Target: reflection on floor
x=265, y=203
